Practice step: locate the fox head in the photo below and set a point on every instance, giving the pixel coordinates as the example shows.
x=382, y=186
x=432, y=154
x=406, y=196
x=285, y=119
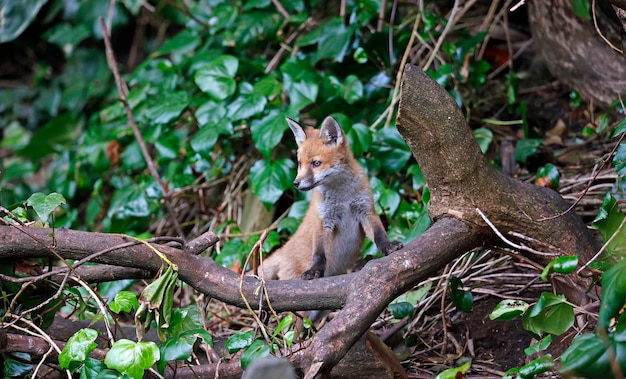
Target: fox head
x=322, y=154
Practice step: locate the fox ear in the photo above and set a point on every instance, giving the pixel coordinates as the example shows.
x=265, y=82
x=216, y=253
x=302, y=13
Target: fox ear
x=330, y=132
x=298, y=131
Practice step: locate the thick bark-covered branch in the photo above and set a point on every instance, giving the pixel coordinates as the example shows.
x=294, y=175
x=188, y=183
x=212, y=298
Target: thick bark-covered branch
x=201, y=273
x=461, y=180
x=382, y=280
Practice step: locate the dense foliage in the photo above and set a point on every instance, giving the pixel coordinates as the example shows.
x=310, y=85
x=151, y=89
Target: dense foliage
x=209, y=85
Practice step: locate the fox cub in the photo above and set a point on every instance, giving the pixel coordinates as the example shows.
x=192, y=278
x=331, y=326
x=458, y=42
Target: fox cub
x=340, y=214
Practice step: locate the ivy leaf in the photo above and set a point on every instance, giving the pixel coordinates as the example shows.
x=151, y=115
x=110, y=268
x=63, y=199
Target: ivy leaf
x=216, y=78
x=44, y=204
x=204, y=141
x=352, y=89
x=125, y=301
x=238, y=341
x=168, y=108
x=258, y=349
x=246, y=106
x=175, y=349
x=269, y=179
x=268, y=131
x=16, y=16
x=132, y=358
x=78, y=347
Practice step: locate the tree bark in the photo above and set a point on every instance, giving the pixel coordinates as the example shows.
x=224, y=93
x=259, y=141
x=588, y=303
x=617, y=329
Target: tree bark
x=575, y=52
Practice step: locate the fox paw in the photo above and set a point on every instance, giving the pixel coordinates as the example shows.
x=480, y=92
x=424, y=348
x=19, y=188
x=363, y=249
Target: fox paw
x=312, y=274
x=390, y=247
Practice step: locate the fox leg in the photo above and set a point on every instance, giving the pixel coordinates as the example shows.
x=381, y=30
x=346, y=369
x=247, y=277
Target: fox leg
x=376, y=232
x=318, y=266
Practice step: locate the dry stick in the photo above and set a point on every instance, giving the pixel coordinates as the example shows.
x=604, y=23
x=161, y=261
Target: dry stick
x=584, y=192
x=507, y=241
x=131, y=120
x=280, y=8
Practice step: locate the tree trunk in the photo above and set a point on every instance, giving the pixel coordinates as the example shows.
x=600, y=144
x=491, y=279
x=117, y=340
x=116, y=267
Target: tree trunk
x=574, y=51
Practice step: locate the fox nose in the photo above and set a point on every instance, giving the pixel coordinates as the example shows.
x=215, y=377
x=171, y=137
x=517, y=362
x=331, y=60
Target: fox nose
x=296, y=183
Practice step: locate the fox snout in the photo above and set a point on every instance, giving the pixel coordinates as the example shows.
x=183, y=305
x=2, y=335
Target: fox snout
x=303, y=184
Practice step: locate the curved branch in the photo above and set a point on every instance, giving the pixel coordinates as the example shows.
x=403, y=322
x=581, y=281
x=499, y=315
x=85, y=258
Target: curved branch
x=201, y=273
x=370, y=292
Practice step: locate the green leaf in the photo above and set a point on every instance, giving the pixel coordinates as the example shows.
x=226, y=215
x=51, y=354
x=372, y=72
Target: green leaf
x=541, y=345
x=78, y=347
x=238, y=341
x=284, y=324
x=246, y=106
x=619, y=160
x=132, y=358
x=537, y=366
x=508, y=310
x=352, y=89
x=269, y=179
x=552, y=314
x=216, y=78
x=17, y=369
x=613, y=294
x=454, y=372
x=463, y=300
x=548, y=176
x=92, y=369
x=620, y=128
x=258, y=349
x=206, y=138
x=561, y=265
x=175, y=349
x=269, y=87
x=581, y=9
x=44, y=204
x=401, y=309
x=16, y=137
x=586, y=356
x=608, y=222
x=55, y=136
x=484, y=137
x=16, y=16
x=125, y=301
x=168, y=108
x=526, y=148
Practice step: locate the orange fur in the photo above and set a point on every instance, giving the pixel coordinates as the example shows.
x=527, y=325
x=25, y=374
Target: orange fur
x=340, y=214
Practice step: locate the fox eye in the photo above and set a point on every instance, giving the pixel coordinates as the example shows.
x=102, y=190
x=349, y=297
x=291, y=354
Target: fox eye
x=316, y=163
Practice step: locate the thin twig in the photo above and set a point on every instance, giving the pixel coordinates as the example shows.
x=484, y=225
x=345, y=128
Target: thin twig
x=121, y=87
x=280, y=8
x=595, y=24
x=509, y=242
